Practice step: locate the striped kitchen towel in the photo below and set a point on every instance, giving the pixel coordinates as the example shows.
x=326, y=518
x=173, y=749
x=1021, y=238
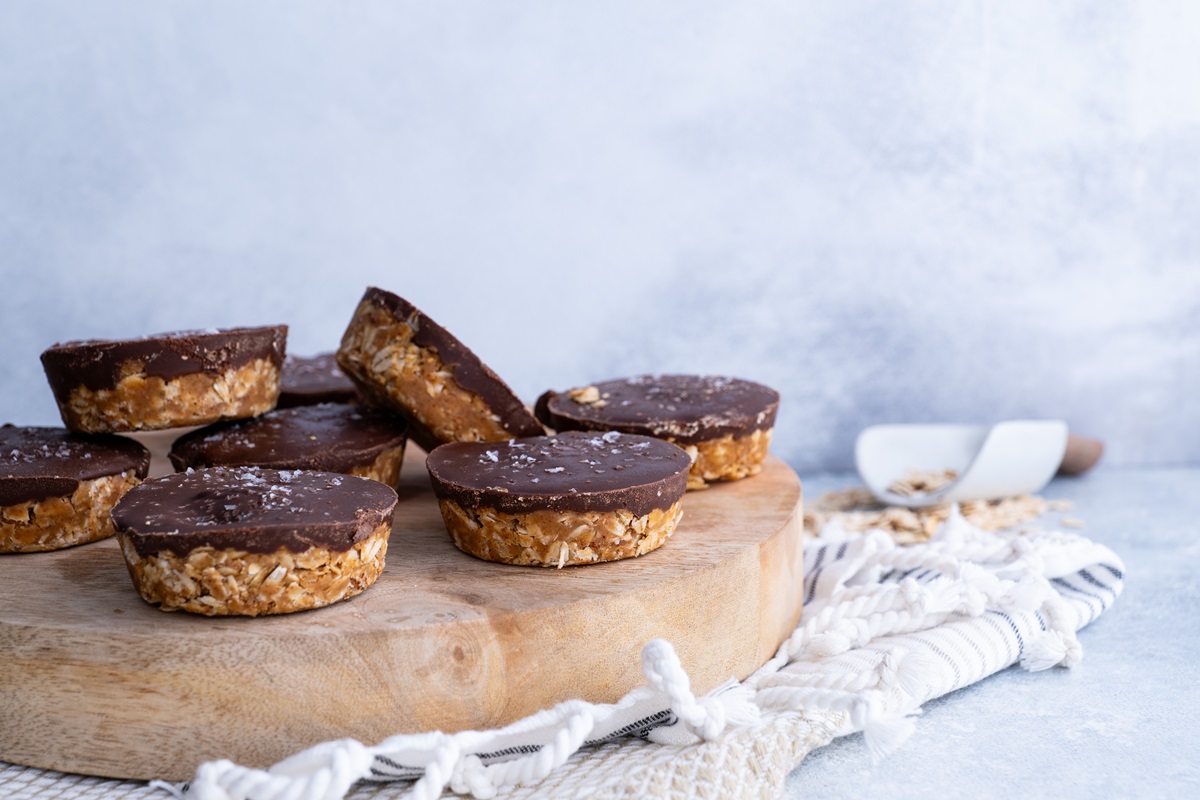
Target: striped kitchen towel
x=885, y=628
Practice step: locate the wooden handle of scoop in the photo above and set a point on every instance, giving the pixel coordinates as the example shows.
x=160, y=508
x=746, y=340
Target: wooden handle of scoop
x=1081, y=455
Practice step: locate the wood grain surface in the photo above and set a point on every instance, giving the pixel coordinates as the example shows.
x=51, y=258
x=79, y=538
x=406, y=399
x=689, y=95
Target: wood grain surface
x=95, y=681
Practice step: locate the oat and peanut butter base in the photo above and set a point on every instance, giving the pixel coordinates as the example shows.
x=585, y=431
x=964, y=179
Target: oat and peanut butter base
x=55, y=522
x=385, y=468
x=228, y=581
x=141, y=402
x=728, y=458
x=557, y=538
x=400, y=359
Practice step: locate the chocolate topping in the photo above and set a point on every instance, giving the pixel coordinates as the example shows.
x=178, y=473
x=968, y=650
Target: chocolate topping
x=468, y=371
x=100, y=364
x=682, y=408
x=315, y=379
x=252, y=509
x=40, y=463
x=569, y=472
x=333, y=437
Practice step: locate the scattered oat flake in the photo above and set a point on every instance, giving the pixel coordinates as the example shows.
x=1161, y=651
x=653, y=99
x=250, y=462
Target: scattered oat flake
x=588, y=395
x=855, y=510
x=918, y=482
x=1071, y=522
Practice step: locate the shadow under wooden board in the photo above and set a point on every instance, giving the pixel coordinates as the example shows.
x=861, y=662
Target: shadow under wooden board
x=95, y=681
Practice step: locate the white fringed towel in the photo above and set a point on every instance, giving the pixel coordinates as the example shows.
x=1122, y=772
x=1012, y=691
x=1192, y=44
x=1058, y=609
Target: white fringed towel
x=884, y=628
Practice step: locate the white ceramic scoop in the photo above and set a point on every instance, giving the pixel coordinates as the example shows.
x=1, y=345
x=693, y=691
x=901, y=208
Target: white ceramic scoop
x=1009, y=458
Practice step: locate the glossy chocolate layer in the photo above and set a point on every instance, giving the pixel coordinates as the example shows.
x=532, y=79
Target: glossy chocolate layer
x=307, y=381
x=332, y=437
x=569, y=472
x=40, y=463
x=99, y=364
x=468, y=371
x=252, y=509
x=683, y=408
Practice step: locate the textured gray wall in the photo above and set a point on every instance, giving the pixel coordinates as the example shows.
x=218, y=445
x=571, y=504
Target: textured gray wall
x=890, y=211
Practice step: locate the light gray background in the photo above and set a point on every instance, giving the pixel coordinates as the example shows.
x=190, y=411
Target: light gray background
x=891, y=211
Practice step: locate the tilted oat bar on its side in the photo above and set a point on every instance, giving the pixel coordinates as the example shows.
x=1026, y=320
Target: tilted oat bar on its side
x=402, y=360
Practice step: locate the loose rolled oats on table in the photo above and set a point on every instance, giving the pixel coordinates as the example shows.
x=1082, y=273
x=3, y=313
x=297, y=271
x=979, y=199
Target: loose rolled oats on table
x=856, y=510
x=917, y=482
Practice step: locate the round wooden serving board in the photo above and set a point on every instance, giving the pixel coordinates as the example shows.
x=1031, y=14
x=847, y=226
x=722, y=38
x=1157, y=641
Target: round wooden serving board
x=94, y=680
